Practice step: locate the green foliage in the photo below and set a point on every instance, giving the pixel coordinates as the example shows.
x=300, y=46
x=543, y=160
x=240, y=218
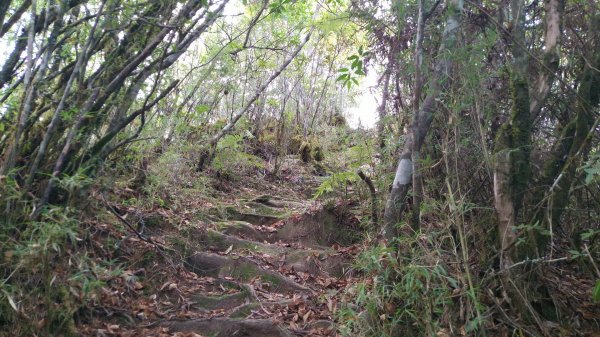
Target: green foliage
x=405, y=297
x=596, y=292
x=348, y=76
x=278, y=7
x=39, y=293
x=317, y=153
x=536, y=228
x=172, y=175
x=336, y=182
x=231, y=155
x=592, y=169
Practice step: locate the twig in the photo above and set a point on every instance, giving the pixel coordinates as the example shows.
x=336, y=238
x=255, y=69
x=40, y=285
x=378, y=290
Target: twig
x=374, y=203
x=587, y=251
x=130, y=226
x=526, y=261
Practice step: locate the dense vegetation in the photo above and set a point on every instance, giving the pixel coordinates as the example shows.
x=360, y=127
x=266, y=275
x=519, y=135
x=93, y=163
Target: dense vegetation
x=125, y=126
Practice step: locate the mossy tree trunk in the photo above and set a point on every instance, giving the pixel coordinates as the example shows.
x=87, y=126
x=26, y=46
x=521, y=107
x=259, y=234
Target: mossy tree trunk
x=559, y=171
x=422, y=121
x=513, y=143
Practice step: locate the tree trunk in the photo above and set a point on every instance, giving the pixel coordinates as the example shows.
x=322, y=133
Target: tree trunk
x=416, y=154
x=439, y=83
x=513, y=143
x=551, y=57
x=559, y=171
x=382, y=108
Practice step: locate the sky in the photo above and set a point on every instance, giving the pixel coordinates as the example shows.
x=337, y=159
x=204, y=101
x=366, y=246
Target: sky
x=364, y=111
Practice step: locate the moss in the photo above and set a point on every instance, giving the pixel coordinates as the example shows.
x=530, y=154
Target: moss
x=338, y=120
x=230, y=224
x=272, y=279
x=214, y=239
x=179, y=244
x=262, y=209
x=245, y=272
x=520, y=139
x=317, y=153
x=294, y=144
x=244, y=311
x=215, y=302
x=60, y=316
x=305, y=152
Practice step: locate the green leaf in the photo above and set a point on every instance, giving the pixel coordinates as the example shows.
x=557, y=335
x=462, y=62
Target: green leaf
x=574, y=253
x=596, y=292
x=200, y=109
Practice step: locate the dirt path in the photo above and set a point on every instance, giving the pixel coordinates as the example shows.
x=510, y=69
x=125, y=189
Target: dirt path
x=269, y=267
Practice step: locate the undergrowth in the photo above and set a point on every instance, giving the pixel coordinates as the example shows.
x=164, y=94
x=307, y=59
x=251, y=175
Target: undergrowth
x=46, y=274
x=414, y=293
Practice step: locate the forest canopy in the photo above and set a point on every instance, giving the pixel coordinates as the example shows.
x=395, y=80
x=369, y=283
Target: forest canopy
x=171, y=135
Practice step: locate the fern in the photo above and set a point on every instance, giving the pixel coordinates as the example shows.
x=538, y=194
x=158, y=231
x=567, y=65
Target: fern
x=336, y=181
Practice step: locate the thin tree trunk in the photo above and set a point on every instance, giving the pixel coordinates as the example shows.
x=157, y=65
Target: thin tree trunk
x=382, y=108
x=13, y=151
x=513, y=143
x=81, y=59
x=4, y=6
x=559, y=171
x=5, y=27
x=551, y=57
x=439, y=84
x=416, y=154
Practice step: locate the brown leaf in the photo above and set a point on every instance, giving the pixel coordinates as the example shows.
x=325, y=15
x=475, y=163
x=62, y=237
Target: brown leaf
x=306, y=316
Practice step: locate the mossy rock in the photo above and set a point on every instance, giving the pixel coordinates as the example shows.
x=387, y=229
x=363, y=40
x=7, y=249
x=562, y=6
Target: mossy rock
x=317, y=230
x=242, y=228
x=264, y=209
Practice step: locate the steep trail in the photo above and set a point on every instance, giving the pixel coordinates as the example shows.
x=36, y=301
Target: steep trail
x=271, y=267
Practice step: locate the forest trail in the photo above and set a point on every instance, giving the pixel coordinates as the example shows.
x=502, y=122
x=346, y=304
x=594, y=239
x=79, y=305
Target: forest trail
x=269, y=267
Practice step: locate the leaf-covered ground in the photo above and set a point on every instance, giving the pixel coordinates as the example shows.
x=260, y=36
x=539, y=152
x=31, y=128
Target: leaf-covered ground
x=263, y=259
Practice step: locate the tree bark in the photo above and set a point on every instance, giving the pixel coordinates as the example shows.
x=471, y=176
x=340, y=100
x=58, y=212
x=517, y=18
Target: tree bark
x=551, y=57
x=416, y=154
x=559, y=171
x=382, y=108
x=439, y=84
x=513, y=143
x=26, y=107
